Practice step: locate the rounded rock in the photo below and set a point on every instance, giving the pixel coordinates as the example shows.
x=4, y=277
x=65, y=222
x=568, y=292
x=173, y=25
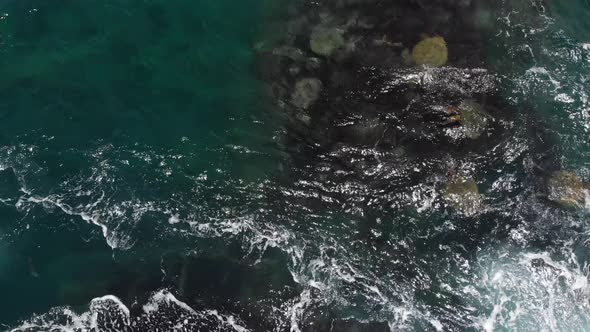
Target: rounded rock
x=307, y=91
x=431, y=51
x=474, y=120
x=462, y=194
x=566, y=189
x=326, y=41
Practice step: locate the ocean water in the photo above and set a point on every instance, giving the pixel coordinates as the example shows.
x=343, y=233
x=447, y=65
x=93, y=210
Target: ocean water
x=149, y=181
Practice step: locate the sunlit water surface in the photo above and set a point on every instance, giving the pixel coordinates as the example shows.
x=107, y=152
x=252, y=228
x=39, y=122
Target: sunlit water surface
x=143, y=184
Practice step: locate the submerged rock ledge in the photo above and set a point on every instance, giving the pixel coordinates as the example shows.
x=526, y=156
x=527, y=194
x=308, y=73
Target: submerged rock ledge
x=403, y=83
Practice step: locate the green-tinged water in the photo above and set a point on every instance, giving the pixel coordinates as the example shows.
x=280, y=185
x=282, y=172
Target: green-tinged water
x=149, y=182
x=120, y=114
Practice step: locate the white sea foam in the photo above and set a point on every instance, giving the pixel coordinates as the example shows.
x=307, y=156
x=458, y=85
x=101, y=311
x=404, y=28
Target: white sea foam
x=533, y=290
x=108, y=313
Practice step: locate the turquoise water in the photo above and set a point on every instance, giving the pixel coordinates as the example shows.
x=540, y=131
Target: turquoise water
x=146, y=182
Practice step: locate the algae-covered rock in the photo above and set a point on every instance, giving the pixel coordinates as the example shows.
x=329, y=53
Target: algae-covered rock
x=326, y=41
x=307, y=91
x=462, y=194
x=566, y=189
x=431, y=51
x=473, y=118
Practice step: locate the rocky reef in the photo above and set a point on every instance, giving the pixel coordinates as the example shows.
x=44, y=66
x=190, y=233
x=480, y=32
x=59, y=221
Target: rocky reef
x=378, y=88
x=393, y=106
x=398, y=96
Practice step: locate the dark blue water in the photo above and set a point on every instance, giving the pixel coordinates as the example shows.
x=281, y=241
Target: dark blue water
x=153, y=178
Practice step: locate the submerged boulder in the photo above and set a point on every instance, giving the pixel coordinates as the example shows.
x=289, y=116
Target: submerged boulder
x=473, y=118
x=307, y=91
x=462, y=194
x=431, y=51
x=566, y=189
x=326, y=41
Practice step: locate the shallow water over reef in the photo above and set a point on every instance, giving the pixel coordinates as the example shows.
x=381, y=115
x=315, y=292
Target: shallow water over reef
x=204, y=166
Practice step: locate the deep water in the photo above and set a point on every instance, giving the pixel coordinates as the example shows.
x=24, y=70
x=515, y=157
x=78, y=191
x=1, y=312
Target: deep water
x=150, y=180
